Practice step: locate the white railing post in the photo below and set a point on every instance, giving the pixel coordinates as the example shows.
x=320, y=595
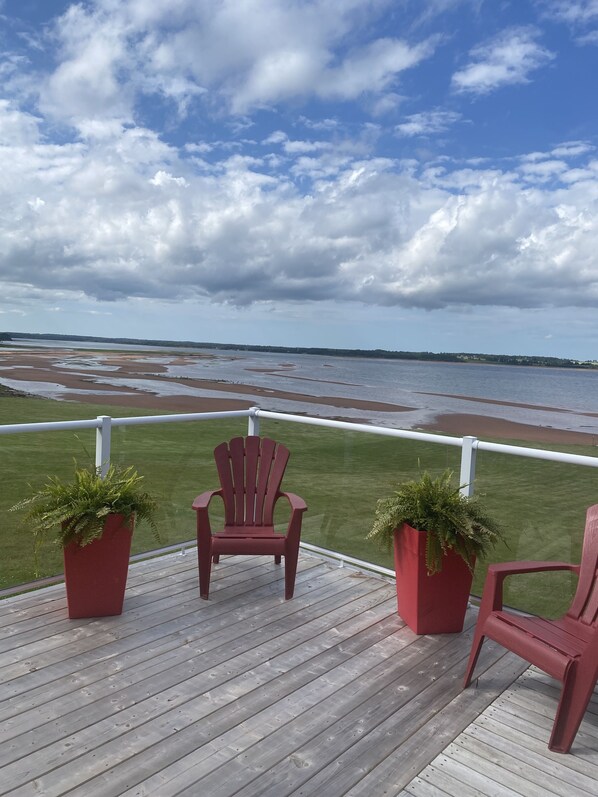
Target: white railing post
x=253, y=422
x=103, y=435
x=468, y=458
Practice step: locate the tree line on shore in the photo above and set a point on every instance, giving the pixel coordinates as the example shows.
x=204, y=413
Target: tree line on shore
x=380, y=354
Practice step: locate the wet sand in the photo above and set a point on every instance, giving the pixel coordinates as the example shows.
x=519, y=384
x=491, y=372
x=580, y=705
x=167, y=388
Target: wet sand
x=484, y=427
x=76, y=370
x=499, y=403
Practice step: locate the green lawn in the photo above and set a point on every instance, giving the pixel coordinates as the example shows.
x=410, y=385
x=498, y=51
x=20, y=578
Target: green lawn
x=340, y=475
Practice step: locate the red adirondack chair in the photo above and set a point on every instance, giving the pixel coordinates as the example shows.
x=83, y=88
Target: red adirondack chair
x=250, y=471
x=566, y=648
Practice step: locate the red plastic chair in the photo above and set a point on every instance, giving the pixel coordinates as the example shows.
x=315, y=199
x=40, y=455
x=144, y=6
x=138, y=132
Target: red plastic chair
x=250, y=471
x=566, y=648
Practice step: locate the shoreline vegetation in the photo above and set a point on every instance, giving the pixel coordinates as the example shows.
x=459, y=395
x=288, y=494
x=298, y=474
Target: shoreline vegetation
x=381, y=354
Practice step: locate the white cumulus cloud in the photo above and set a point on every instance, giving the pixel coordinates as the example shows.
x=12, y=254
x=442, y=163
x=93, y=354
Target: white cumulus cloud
x=507, y=59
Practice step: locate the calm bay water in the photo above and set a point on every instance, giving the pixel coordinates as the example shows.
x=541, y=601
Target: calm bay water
x=562, y=398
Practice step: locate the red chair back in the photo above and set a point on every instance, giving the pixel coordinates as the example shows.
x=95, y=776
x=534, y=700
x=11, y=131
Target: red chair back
x=250, y=470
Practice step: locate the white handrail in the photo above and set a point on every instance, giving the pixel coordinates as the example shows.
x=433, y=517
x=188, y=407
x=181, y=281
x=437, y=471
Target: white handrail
x=521, y=451
x=428, y=437
x=49, y=426
x=539, y=453
x=188, y=416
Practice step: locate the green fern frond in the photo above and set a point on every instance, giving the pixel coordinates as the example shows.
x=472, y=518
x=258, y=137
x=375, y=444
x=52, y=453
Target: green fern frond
x=76, y=510
x=437, y=506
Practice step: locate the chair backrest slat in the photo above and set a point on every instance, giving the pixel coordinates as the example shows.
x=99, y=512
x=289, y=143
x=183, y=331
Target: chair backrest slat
x=268, y=451
x=223, y=464
x=277, y=470
x=252, y=460
x=237, y=456
x=250, y=472
x=585, y=603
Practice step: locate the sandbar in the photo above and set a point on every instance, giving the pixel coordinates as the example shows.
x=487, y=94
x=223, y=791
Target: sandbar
x=483, y=426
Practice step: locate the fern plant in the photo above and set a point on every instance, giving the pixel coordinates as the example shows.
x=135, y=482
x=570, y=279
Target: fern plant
x=437, y=506
x=77, y=510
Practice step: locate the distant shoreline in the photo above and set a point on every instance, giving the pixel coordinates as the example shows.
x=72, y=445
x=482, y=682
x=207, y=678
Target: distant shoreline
x=465, y=358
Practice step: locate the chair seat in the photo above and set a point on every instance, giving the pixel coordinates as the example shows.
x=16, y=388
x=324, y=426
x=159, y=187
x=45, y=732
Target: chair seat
x=552, y=651
x=565, y=636
x=254, y=542
x=255, y=532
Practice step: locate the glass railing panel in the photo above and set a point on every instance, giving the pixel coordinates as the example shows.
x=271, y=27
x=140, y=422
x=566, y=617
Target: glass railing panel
x=27, y=460
x=341, y=474
x=177, y=463
x=176, y=460
x=541, y=506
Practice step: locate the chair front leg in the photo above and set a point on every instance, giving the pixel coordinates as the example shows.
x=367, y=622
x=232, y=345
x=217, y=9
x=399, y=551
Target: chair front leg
x=476, y=646
x=491, y=601
x=204, y=552
x=204, y=562
x=204, y=540
x=577, y=691
x=290, y=568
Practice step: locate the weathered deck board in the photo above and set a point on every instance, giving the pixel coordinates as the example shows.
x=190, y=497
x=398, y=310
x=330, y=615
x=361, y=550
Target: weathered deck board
x=410, y=756
x=506, y=747
x=248, y=694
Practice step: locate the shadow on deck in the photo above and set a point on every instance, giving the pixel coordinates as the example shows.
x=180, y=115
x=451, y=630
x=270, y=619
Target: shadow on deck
x=249, y=695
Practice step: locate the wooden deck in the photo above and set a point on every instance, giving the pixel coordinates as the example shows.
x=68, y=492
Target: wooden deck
x=249, y=695
x=504, y=753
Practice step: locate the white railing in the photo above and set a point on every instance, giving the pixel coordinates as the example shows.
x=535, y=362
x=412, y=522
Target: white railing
x=469, y=445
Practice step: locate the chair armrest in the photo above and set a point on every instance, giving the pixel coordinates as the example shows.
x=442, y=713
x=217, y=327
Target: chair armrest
x=492, y=596
x=202, y=501
x=298, y=507
x=297, y=503
x=504, y=569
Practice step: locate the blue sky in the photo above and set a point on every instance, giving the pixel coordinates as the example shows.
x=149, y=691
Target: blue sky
x=405, y=174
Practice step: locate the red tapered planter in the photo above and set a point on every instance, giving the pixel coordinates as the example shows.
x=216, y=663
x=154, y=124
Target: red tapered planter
x=429, y=604
x=96, y=574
